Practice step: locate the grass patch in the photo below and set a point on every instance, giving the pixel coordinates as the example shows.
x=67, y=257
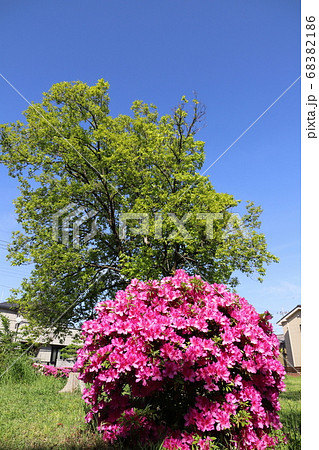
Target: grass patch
x=35, y=415
x=290, y=413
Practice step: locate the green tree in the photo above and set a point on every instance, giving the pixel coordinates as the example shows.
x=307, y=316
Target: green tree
x=70, y=150
x=8, y=342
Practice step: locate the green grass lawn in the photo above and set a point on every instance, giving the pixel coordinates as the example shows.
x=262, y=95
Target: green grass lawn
x=36, y=416
x=290, y=413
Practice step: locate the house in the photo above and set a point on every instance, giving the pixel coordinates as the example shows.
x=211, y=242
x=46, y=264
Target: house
x=291, y=323
x=47, y=351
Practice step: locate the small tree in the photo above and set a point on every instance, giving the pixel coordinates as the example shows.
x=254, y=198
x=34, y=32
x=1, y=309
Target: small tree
x=70, y=351
x=7, y=336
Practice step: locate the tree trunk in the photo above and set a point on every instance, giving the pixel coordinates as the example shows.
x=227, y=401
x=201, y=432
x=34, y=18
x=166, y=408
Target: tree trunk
x=73, y=383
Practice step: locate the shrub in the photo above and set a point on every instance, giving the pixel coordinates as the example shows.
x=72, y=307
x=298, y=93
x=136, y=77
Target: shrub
x=15, y=363
x=16, y=367
x=56, y=372
x=183, y=359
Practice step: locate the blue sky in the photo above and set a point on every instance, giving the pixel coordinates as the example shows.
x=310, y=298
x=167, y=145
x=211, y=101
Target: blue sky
x=239, y=56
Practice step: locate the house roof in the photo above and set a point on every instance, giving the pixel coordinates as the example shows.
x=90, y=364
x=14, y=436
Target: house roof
x=6, y=306
x=289, y=314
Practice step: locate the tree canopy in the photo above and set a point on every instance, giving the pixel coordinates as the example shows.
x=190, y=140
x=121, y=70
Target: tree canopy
x=83, y=174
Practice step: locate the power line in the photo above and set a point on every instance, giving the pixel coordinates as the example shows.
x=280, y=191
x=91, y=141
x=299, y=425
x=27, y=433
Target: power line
x=5, y=273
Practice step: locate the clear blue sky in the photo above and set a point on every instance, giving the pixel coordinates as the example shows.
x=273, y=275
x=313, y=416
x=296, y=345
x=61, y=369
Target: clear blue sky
x=239, y=56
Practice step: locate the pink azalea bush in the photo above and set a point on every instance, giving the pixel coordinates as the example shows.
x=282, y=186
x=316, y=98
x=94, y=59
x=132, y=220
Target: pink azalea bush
x=183, y=359
x=57, y=372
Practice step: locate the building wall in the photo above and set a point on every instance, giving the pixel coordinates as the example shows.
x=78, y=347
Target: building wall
x=45, y=350
x=12, y=317
x=44, y=355
x=288, y=347
x=292, y=333
x=64, y=362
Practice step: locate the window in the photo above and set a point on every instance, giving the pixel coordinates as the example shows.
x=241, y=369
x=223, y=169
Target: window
x=54, y=354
